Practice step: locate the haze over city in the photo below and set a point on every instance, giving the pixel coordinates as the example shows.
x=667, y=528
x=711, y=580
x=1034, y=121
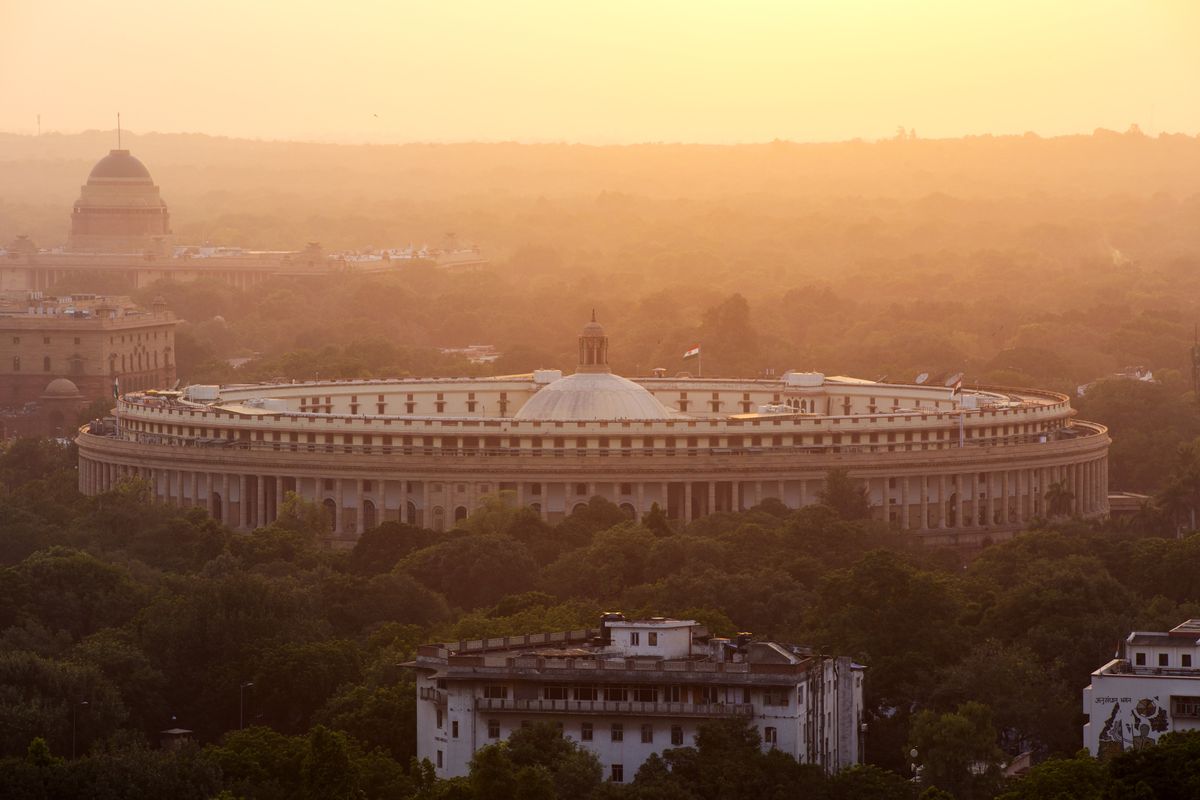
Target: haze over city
x=537, y=70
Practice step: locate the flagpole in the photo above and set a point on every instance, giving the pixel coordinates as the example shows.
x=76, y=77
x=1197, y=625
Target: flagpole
x=700, y=364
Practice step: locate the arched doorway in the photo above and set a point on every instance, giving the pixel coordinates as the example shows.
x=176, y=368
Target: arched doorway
x=439, y=518
x=627, y=509
x=460, y=513
x=410, y=513
x=368, y=515
x=214, y=507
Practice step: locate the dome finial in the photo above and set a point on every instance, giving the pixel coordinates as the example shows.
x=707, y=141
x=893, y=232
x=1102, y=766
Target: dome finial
x=593, y=313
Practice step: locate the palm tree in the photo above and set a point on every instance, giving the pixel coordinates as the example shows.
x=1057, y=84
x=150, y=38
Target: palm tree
x=1059, y=499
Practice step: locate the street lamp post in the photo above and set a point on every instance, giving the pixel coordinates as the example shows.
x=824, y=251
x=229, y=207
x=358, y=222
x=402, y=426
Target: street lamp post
x=74, y=719
x=242, y=703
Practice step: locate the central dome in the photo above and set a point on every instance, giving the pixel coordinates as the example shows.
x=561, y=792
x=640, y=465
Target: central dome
x=593, y=396
x=119, y=164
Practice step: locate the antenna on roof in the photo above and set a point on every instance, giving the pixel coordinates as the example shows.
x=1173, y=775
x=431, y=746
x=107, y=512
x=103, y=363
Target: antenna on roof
x=118, y=130
x=593, y=314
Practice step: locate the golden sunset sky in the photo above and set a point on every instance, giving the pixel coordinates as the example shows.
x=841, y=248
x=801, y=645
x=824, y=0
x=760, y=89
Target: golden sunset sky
x=611, y=72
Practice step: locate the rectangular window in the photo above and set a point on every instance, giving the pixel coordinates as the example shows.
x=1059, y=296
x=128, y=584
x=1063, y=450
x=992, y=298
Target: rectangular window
x=493, y=729
x=675, y=693
x=770, y=736
x=1186, y=660
x=616, y=694
x=618, y=732
x=652, y=639
x=635, y=638
x=677, y=735
x=439, y=718
x=555, y=693
x=1164, y=660
x=1140, y=659
x=454, y=729
x=585, y=732
x=645, y=694
x=494, y=691
x=775, y=697
x=585, y=693
x=647, y=733
x=618, y=773
x=439, y=759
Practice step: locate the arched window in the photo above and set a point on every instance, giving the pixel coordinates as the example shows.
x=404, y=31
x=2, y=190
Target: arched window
x=439, y=518
x=460, y=513
x=628, y=511
x=368, y=515
x=411, y=513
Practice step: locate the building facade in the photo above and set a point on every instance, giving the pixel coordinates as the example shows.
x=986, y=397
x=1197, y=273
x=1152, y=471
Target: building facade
x=952, y=468
x=632, y=688
x=58, y=354
x=1152, y=687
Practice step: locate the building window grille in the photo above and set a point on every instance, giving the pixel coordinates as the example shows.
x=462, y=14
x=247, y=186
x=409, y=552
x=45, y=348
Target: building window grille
x=618, y=773
x=652, y=639
x=635, y=638
x=618, y=732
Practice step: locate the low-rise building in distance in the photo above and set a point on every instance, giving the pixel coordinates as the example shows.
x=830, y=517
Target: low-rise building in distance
x=632, y=688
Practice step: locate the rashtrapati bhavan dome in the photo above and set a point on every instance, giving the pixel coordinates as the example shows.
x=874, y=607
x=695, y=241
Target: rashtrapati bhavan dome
x=952, y=467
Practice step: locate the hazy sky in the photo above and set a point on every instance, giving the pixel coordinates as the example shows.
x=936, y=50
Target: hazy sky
x=550, y=70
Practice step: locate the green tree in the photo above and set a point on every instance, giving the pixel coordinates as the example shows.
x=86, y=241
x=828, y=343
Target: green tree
x=957, y=751
x=845, y=495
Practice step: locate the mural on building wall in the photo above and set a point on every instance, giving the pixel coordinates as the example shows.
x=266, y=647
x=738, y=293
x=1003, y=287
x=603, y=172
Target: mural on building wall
x=1140, y=725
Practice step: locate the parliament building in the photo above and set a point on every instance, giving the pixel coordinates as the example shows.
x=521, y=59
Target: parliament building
x=953, y=467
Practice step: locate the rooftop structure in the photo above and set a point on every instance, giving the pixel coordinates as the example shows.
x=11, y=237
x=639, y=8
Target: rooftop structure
x=630, y=688
x=953, y=468
x=1150, y=688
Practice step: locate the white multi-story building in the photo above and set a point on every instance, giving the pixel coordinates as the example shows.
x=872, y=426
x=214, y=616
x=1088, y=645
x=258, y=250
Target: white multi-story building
x=1151, y=688
x=632, y=688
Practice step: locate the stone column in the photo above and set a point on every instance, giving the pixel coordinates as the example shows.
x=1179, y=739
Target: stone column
x=924, y=502
x=989, y=503
x=941, y=522
x=758, y=497
x=803, y=493
x=641, y=501
x=359, y=516
x=425, y=516
x=712, y=497
x=226, y=502
x=687, y=501
x=278, y=498
x=260, y=510
x=195, y=488
x=905, y=521
x=243, y=502
x=340, y=526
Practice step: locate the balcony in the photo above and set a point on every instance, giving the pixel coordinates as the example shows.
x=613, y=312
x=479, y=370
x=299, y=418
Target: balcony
x=614, y=708
x=430, y=693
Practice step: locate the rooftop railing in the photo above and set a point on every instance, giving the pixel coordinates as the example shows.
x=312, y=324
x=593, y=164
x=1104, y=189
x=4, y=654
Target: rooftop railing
x=614, y=708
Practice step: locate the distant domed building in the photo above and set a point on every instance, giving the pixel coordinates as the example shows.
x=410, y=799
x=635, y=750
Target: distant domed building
x=119, y=209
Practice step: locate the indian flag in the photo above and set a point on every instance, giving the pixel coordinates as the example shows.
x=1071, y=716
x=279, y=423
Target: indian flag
x=694, y=352
x=956, y=390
